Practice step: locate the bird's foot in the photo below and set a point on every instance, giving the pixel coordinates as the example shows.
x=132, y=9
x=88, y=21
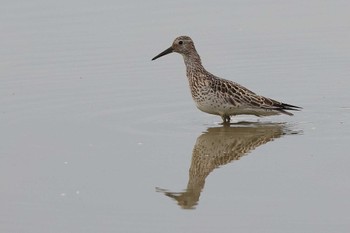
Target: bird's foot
x=226, y=120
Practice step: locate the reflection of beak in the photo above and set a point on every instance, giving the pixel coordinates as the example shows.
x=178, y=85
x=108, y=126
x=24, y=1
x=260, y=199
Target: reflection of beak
x=165, y=52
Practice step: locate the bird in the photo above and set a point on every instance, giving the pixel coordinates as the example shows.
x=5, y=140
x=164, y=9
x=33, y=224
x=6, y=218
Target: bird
x=219, y=96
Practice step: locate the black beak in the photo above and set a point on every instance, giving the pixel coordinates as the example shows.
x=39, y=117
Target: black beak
x=165, y=52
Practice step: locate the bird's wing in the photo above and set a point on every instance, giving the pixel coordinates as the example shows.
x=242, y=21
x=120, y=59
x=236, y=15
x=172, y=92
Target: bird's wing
x=238, y=95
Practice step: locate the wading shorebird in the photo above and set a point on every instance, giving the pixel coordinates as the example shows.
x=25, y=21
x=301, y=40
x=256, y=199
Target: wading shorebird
x=219, y=96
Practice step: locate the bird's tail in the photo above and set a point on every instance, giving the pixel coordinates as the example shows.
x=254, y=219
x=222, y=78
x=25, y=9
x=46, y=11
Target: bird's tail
x=282, y=108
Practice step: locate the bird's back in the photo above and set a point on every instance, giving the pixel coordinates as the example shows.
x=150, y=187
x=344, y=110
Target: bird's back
x=219, y=96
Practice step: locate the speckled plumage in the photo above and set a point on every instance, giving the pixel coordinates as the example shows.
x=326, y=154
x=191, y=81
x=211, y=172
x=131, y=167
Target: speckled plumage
x=219, y=96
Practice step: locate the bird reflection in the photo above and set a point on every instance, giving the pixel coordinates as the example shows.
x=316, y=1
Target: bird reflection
x=219, y=146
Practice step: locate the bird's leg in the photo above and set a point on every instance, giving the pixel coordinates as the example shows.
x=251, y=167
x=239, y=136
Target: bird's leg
x=226, y=119
x=223, y=119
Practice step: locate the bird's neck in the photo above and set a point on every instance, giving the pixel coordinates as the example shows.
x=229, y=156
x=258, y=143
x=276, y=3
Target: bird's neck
x=193, y=64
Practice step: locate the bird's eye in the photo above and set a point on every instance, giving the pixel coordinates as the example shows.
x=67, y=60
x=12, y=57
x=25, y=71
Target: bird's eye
x=181, y=42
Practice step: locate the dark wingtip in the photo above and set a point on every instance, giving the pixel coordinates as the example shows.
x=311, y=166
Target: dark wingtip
x=284, y=107
x=291, y=107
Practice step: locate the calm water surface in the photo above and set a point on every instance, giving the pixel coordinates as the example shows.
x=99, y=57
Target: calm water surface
x=97, y=138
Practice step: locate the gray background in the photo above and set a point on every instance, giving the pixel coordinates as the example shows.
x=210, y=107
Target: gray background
x=90, y=128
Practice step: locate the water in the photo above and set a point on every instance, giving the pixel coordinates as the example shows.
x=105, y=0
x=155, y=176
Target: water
x=97, y=138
